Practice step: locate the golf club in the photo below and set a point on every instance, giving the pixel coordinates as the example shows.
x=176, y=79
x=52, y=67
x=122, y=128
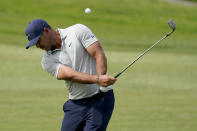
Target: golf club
x=172, y=26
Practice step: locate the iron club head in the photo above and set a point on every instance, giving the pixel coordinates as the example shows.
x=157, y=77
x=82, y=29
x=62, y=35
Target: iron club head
x=172, y=24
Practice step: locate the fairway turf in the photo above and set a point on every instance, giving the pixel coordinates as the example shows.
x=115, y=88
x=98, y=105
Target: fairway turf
x=158, y=93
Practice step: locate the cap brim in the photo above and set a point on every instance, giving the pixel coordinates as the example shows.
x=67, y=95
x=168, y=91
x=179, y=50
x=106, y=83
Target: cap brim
x=33, y=42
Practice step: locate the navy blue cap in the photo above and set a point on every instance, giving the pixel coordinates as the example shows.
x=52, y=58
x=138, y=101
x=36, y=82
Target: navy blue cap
x=34, y=30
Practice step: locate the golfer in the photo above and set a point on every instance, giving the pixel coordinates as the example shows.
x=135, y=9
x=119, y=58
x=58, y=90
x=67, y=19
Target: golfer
x=75, y=55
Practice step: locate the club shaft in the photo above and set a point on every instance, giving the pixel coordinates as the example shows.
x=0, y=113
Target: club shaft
x=116, y=76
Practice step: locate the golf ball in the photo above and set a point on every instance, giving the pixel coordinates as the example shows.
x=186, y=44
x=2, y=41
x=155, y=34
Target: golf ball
x=87, y=10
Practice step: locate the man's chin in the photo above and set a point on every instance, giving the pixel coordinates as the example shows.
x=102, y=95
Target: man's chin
x=46, y=49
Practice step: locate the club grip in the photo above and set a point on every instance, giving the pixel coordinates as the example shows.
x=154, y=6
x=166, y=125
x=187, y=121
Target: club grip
x=116, y=76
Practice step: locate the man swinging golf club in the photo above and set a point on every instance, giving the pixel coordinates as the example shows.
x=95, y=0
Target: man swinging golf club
x=75, y=55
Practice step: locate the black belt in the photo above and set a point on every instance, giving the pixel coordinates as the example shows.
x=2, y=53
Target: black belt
x=89, y=99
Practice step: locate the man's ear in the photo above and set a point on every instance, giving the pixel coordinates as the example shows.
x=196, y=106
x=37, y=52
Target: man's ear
x=46, y=29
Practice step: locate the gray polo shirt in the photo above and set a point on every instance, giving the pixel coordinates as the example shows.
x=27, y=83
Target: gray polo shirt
x=75, y=40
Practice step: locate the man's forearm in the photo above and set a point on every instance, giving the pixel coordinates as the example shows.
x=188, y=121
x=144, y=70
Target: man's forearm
x=84, y=78
x=67, y=73
x=96, y=51
x=103, y=80
x=101, y=64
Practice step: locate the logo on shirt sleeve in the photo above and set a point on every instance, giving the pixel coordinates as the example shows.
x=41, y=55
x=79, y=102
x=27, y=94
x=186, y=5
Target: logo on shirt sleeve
x=92, y=36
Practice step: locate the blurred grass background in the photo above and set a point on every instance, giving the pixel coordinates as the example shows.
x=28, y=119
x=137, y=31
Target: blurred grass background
x=157, y=94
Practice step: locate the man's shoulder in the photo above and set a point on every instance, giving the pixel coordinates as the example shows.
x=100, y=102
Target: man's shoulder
x=68, y=31
x=73, y=30
x=73, y=27
x=77, y=25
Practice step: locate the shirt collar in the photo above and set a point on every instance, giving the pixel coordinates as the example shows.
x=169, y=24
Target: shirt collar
x=52, y=51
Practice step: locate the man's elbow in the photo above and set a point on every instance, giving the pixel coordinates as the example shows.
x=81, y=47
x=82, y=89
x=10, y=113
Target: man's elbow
x=64, y=73
x=62, y=76
x=59, y=78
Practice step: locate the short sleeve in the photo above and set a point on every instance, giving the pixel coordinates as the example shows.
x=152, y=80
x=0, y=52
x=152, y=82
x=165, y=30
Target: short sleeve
x=51, y=67
x=85, y=35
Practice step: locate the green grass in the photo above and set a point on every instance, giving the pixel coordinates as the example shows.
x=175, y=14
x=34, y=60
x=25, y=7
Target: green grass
x=193, y=0
x=157, y=94
x=121, y=25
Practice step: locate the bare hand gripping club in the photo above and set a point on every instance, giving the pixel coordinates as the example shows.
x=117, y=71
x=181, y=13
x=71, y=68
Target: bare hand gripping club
x=172, y=26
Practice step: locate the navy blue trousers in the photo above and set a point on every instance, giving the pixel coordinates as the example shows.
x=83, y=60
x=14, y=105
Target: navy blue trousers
x=91, y=114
